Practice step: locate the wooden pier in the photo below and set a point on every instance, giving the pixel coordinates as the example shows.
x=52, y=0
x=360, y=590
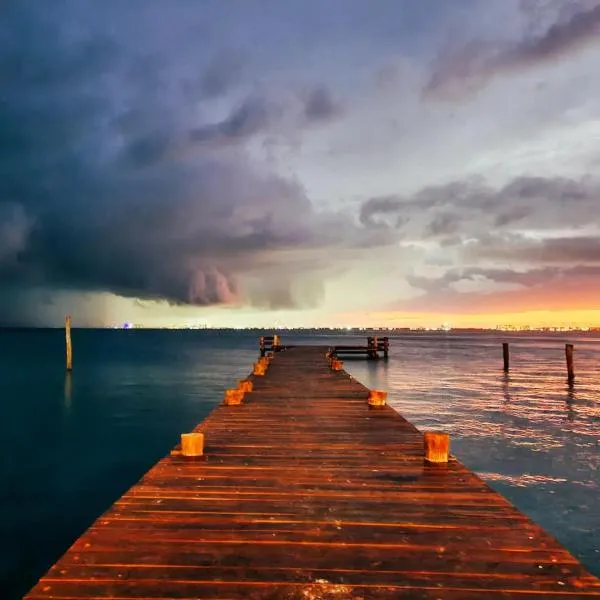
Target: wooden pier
x=305, y=492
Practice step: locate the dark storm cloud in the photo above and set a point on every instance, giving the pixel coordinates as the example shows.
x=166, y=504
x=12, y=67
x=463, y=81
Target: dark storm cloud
x=374, y=211
x=443, y=224
x=466, y=210
x=477, y=61
x=561, y=250
x=223, y=73
x=102, y=187
x=14, y=232
x=528, y=278
x=257, y=114
x=252, y=116
x=320, y=105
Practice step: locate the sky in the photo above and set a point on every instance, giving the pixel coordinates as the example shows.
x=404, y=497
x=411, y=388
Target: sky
x=300, y=163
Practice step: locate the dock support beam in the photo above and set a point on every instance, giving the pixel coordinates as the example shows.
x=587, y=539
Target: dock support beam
x=372, y=348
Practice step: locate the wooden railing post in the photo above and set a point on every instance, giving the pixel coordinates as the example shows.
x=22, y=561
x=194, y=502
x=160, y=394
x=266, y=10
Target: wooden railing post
x=569, y=357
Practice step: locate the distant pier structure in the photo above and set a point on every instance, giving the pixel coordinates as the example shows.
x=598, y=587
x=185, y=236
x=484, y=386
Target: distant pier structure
x=374, y=348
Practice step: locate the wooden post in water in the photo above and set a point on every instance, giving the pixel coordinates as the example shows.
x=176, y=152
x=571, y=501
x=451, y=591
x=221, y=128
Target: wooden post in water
x=337, y=364
x=437, y=446
x=192, y=444
x=506, y=356
x=69, y=345
x=386, y=347
x=569, y=357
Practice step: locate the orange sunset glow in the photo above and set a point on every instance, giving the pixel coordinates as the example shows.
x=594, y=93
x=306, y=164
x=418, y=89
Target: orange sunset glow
x=582, y=319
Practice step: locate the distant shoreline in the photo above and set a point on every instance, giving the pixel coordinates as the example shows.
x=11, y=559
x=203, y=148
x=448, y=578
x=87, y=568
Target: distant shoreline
x=325, y=330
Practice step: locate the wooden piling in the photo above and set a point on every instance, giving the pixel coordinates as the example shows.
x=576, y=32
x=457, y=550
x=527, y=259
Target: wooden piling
x=437, y=446
x=386, y=347
x=506, y=356
x=377, y=398
x=569, y=357
x=372, y=348
x=68, y=342
x=192, y=444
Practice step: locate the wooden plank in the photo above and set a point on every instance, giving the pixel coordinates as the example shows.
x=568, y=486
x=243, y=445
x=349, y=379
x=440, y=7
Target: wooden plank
x=305, y=493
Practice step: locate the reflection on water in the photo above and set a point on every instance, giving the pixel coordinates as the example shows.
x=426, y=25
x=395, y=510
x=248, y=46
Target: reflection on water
x=532, y=434
x=506, y=387
x=68, y=390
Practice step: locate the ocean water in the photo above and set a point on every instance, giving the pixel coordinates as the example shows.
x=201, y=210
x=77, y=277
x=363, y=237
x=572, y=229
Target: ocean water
x=71, y=444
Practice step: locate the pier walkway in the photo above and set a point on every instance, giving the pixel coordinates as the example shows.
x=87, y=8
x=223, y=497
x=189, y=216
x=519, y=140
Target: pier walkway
x=305, y=493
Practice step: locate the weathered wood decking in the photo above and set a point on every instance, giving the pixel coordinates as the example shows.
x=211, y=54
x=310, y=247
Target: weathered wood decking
x=304, y=493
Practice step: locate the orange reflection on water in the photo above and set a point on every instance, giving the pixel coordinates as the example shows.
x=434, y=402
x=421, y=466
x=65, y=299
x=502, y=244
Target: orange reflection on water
x=530, y=433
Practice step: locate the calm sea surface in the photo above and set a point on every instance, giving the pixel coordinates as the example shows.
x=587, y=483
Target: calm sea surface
x=69, y=446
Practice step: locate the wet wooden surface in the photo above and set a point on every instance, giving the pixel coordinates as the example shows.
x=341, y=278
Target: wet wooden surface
x=305, y=493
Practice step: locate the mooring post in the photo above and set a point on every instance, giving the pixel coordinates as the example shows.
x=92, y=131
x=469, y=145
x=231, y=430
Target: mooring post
x=569, y=357
x=192, y=444
x=261, y=345
x=276, y=343
x=69, y=345
x=437, y=446
x=371, y=347
x=506, y=356
x=386, y=347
